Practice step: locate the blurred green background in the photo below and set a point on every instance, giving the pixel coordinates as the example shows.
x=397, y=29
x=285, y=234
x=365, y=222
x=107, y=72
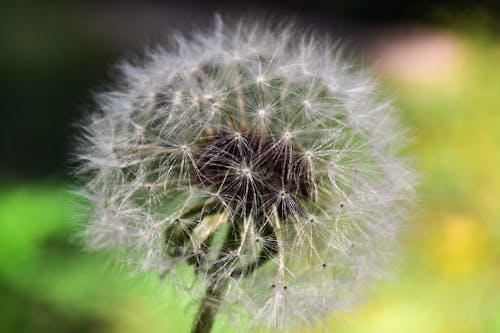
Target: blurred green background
x=440, y=62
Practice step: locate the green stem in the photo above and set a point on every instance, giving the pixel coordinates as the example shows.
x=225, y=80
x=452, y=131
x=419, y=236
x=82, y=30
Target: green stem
x=216, y=290
x=209, y=307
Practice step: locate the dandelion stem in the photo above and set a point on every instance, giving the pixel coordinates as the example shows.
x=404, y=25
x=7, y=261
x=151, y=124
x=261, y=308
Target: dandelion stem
x=220, y=273
x=210, y=306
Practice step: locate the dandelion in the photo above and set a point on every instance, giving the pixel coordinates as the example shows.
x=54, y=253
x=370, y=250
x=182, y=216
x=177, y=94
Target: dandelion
x=257, y=157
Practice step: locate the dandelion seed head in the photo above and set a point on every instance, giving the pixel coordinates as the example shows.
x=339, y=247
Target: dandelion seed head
x=261, y=135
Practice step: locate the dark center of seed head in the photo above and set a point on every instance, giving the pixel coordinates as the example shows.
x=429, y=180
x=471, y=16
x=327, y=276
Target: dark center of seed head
x=254, y=174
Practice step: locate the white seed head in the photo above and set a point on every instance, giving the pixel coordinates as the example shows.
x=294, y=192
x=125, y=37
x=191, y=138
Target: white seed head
x=260, y=135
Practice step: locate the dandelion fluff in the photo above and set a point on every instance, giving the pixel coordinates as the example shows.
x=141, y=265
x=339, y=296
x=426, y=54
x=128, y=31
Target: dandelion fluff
x=259, y=158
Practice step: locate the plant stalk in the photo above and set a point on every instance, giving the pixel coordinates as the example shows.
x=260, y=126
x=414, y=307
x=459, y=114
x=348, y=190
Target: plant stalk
x=216, y=290
x=223, y=270
x=209, y=307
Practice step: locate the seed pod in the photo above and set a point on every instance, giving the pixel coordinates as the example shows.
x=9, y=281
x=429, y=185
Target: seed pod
x=256, y=156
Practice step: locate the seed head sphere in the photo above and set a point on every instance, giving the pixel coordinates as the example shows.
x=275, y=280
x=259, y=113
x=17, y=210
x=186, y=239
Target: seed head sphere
x=257, y=157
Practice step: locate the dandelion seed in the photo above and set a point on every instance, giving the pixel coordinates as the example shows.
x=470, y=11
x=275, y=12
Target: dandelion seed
x=257, y=158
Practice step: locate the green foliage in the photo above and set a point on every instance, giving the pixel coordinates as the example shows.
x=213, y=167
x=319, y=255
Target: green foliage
x=49, y=285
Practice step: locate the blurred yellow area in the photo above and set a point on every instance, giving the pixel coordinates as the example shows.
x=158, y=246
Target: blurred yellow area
x=460, y=246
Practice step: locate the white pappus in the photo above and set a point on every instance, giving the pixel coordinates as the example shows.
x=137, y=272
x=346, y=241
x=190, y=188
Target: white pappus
x=257, y=156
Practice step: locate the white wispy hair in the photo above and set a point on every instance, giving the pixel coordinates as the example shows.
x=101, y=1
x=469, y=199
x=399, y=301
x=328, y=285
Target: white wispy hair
x=259, y=134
